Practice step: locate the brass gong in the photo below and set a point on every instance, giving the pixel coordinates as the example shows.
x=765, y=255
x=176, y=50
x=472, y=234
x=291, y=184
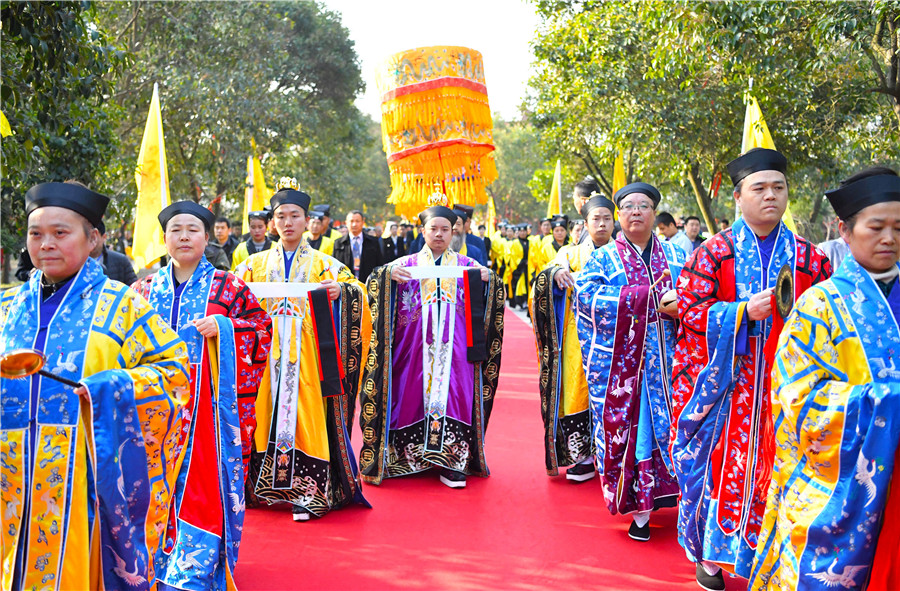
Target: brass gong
x=21, y=363
x=784, y=291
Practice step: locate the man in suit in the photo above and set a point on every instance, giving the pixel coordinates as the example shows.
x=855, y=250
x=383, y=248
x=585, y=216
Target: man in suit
x=117, y=265
x=393, y=243
x=222, y=236
x=357, y=250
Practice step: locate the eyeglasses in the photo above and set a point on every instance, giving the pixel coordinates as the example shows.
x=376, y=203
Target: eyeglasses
x=629, y=207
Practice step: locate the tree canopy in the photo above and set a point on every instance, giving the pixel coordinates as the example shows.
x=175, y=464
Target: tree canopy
x=77, y=79
x=58, y=71
x=665, y=82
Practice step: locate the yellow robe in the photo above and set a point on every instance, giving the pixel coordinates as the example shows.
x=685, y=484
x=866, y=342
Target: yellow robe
x=514, y=254
x=575, y=390
x=327, y=245
x=108, y=338
x=310, y=436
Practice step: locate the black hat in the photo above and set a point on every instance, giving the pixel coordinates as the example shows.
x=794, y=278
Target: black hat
x=438, y=211
x=71, y=196
x=460, y=213
x=852, y=197
x=191, y=207
x=324, y=208
x=597, y=200
x=467, y=209
x=559, y=221
x=523, y=227
x=550, y=219
x=316, y=215
x=259, y=215
x=755, y=160
x=645, y=188
x=290, y=196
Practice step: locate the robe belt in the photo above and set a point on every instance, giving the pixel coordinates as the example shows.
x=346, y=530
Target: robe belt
x=331, y=368
x=475, y=337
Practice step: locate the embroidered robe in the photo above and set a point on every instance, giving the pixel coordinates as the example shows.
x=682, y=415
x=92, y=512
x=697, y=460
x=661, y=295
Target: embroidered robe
x=207, y=512
x=723, y=439
x=302, y=452
x=85, y=483
x=836, y=385
x=563, y=387
x=626, y=348
x=425, y=405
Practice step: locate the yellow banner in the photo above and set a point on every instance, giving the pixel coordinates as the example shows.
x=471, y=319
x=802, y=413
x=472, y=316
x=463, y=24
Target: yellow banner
x=152, y=180
x=756, y=135
x=5, y=129
x=492, y=216
x=618, y=173
x=554, y=205
x=256, y=194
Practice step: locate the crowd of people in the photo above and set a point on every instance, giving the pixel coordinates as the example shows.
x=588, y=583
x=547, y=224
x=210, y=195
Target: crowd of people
x=738, y=377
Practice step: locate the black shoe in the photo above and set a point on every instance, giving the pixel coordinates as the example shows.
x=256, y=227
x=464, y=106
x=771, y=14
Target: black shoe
x=581, y=472
x=300, y=514
x=452, y=478
x=641, y=534
x=665, y=502
x=710, y=582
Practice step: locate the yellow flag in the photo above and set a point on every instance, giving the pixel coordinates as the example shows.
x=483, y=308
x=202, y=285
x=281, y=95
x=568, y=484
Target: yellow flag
x=256, y=194
x=554, y=205
x=152, y=180
x=5, y=129
x=492, y=215
x=756, y=135
x=618, y=173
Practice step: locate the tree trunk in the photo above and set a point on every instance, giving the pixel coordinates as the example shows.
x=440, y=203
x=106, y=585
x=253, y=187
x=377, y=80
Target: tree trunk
x=703, y=200
x=7, y=267
x=813, y=232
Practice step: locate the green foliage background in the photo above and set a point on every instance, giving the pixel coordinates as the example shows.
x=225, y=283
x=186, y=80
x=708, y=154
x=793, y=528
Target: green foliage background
x=665, y=82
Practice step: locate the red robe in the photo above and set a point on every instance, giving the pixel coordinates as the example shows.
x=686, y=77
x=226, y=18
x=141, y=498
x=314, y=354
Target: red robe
x=730, y=449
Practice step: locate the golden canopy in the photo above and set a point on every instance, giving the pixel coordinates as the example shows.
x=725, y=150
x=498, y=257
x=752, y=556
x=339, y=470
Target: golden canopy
x=436, y=126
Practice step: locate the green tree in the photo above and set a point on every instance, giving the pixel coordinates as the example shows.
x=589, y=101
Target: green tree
x=517, y=196
x=282, y=73
x=365, y=187
x=666, y=81
x=58, y=70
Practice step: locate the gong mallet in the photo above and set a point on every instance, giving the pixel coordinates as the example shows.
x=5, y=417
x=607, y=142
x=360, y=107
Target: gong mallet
x=21, y=363
x=665, y=274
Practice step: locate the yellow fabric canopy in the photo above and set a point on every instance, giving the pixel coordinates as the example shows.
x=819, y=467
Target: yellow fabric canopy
x=436, y=126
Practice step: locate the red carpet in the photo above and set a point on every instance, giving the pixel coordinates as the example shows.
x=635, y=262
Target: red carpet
x=518, y=529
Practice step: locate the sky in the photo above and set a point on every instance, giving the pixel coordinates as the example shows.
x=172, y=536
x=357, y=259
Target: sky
x=500, y=29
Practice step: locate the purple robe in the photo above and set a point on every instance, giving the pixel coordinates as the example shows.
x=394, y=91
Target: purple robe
x=426, y=404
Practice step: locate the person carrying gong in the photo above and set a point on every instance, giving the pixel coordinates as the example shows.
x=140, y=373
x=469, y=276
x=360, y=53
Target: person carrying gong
x=723, y=437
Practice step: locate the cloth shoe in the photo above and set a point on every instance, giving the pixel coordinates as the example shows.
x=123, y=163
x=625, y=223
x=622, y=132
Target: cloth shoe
x=452, y=478
x=581, y=472
x=641, y=534
x=665, y=502
x=300, y=514
x=710, y=582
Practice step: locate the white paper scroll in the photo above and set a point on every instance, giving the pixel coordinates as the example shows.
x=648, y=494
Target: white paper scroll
x=437, y=272
x=263, y=289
